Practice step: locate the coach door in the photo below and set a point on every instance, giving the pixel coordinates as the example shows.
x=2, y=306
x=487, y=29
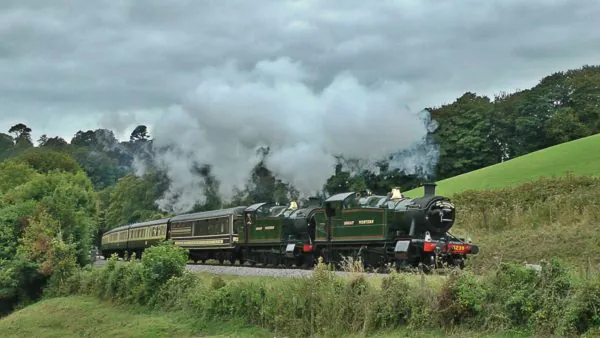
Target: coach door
x=168, y=236
x=249, y=220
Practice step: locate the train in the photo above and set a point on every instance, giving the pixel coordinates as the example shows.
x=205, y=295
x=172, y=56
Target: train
x=389, y=230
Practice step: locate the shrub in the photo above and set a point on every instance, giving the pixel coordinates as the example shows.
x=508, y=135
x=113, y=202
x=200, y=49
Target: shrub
x=583, y=311
x=393, y=306
x=513, y=286
x=462, y=299
x=161, y=262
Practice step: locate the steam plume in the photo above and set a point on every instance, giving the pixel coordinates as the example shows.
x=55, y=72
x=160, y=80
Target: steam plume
x=232, y=113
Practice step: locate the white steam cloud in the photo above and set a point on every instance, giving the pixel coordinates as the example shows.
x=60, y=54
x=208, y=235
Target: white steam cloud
x=233, y=112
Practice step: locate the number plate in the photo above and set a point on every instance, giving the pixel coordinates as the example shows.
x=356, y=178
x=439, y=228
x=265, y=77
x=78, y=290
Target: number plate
x=290, y=247
x=402, y=246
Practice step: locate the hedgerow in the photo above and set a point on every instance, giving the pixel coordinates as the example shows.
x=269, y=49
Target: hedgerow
x=551, y=301
x=563, y=200
x=543, y=219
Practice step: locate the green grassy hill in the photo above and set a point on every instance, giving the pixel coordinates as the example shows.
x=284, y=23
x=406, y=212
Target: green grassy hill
x=581, y=157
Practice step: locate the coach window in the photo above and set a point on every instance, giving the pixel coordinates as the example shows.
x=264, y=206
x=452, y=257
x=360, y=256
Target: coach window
x=201, y=227
x=196, y=228
x=238, y=224
x=207, y=227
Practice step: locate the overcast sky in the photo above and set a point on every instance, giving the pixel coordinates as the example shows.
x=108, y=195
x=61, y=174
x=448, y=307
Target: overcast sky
x=70, y=65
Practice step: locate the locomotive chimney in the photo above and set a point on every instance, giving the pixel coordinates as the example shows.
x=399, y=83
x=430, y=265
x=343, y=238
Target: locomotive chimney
x=429, y=189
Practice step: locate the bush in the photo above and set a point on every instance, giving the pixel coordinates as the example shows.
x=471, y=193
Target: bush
x=394, y=308
x=462, y=300
x=161, y=262
x=583, y=311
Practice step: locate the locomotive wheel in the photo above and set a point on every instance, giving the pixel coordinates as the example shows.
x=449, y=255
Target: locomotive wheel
x=298, y=261
x=323, y=254
x=427, y=264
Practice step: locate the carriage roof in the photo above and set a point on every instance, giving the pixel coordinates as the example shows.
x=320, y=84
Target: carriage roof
x=340, y=197
x=150, y=223
x=138, y=225
x=208, y=214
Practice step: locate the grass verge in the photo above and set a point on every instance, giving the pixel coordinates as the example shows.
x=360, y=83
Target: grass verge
x=84, y=316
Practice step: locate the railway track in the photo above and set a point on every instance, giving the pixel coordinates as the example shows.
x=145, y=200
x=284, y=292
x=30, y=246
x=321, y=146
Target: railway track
x=257, y=270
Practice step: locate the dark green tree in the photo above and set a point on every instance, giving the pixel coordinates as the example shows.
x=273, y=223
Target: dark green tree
x=6, y=143
x=22, y=135
x=140, y=133
x=465, y=135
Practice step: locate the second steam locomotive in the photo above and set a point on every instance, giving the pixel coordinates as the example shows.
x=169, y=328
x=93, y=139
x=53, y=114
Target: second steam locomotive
x=381, y=230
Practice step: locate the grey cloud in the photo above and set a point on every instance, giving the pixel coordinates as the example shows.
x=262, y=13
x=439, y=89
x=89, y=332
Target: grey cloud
x=115, y=55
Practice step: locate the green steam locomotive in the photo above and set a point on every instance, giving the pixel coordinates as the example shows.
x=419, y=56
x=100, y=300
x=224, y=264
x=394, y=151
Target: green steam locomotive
x=381, y=230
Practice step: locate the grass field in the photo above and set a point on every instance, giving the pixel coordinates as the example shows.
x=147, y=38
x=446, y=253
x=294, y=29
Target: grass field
x=78, y=316
x=581, y=157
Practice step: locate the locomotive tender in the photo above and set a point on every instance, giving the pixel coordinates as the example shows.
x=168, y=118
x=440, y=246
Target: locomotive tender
x=406, y=232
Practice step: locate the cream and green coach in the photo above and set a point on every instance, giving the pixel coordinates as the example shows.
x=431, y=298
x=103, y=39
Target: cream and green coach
x=207, y=235
x=134, y=238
